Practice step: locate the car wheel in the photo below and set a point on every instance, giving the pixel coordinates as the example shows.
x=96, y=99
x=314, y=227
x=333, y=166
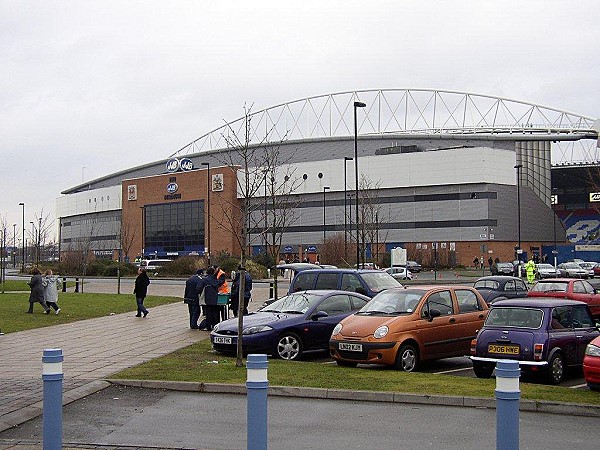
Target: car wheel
x=556, y=369
x=407, y=358
x=483, y=370
x=346, y=363
x=289, y=346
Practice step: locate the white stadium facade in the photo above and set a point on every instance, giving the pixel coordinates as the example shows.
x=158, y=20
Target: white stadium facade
x=469, y=174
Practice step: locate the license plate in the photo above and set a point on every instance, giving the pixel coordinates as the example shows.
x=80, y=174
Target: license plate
x=350, y=347
x=503, y=349
x=221, y=340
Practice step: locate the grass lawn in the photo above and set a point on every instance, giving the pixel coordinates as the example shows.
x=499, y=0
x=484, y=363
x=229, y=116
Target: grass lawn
x=73, y=307
x=200, y=363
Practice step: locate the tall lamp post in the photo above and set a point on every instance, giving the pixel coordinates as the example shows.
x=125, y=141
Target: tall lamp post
x=207, y=249
x=143, y=210
x=14, y=245
x=346, y=159
x=23, y=243
x=519, y=251
x=32, y=243
x=554, y=201
x=358, y=252
x=325, y=188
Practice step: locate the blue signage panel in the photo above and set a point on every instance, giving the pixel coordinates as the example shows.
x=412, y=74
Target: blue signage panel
x=172, y=188
x=186, y=164
x=173, y=165
x=288, y=249
x=311, y=249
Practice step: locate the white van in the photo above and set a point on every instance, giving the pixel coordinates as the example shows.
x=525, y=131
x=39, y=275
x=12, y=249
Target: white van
x=152, y=265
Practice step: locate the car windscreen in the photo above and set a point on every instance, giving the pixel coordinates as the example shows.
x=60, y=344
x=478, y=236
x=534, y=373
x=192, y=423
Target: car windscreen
x=298, y=303
x=505, y=266
x=378, y=281
x=545, y=266
x=515, y=317
x=553, y=286
x=486, y=284
x=393, y=302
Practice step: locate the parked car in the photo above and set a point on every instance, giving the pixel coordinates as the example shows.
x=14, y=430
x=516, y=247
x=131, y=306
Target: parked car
x=572, y=270
x=591, y=364
x=414, y=266
x=363, y=281
x=290, y=326
x=597, y=270
x=399, y=273
x=403, y=327
x=500, y=287
x=546, y=335
x=544, y=270
x=589, y=266
x=572, y=289
x=367, y=265
x=501, y=268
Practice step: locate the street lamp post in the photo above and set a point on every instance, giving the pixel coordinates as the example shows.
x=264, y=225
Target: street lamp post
x=14, y=245
x=554, y=252
x=519, y=167
x=325, y=188
x=358, y=252
x=32, y=243
x=23, y=243
x=143, y=210
x=346, y=159
x=207, y=246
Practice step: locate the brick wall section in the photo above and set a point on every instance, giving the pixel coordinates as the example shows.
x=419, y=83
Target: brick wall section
x=192, y=185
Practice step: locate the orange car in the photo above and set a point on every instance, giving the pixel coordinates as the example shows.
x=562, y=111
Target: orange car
x=402, y=327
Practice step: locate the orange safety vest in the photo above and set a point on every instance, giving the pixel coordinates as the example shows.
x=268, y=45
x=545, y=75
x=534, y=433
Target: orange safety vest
x=224, y=288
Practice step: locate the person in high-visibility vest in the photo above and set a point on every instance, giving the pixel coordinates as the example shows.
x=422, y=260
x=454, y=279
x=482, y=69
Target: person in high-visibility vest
x=530, y=270
x=221, y=275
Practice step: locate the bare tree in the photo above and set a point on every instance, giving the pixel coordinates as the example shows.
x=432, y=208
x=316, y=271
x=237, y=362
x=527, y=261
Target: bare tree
x=127, y=238
x=369, y=211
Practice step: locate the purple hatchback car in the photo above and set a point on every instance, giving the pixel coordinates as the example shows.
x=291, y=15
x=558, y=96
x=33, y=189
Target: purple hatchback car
x=546, y=335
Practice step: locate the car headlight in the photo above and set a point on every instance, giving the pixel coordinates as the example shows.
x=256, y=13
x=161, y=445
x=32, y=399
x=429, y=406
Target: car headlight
x=592, y=350
x=257, y=329
x=337, y=329
x=216, y=327
x=380, y=332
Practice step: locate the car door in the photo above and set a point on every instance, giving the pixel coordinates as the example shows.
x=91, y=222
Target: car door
x=520, y=289
x=584, y=328
x=316, y=333
x=470, y=317
x=586, y=293
x=438, y=336
x=561, y=334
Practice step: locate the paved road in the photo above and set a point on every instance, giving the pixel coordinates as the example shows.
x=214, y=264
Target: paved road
x=149, y=418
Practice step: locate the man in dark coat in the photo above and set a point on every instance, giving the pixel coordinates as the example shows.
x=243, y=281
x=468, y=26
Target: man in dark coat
x=37, y=291
x=235, y=291
x=210, y=286
x=141, y=290
x=192, y=298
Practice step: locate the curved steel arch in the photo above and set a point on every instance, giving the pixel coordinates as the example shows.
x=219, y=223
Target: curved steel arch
x=399, y=111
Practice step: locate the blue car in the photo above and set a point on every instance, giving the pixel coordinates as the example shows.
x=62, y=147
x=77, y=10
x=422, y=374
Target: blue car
x=288, y=327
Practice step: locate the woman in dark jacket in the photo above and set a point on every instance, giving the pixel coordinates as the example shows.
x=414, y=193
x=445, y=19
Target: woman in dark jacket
x=141, y=289
x=37, y=291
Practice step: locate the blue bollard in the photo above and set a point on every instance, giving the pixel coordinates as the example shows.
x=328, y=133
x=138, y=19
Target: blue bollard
x=257, y=386
x=52, y=375
x=507, y=395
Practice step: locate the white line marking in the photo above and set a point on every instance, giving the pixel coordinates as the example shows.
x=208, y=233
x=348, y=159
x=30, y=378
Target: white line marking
x=578, y=386
x=452, y=370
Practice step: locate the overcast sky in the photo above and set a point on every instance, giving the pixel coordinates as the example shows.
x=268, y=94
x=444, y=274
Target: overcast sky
x=90, y=88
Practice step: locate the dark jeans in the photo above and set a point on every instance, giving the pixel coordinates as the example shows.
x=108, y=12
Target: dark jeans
x=213, y=313
x=235, y=303
x=141, y=309
x=53, y=305
x=194, y=310
x=41, y=302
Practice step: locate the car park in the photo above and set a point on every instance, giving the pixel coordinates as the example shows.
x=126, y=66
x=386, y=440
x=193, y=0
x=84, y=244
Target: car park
x=404, y=327
x=545, y=335
x=399, y=273
x=501, y=268
x=572, y=289
x=572, y=270
x=544, y=270
x=363, y=281
x=290, y=326
x=591, y=364
x=494, y=288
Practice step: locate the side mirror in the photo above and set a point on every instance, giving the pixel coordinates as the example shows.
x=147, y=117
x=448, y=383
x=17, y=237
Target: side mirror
x=433, y=313
x=318, y=315
x=360, y=290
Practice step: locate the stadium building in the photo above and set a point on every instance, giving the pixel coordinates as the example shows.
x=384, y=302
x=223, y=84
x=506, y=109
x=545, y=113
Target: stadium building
x=445, y=173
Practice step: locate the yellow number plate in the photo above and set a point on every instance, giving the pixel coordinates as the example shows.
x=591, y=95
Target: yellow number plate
x=503, y=349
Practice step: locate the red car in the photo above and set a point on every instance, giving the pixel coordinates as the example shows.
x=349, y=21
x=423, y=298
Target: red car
x=574, y=289
x=591, y=364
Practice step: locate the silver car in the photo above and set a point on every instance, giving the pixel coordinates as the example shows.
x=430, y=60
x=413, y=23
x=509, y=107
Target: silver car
x=547, y=271
x=589, y=266
x=399, y=273
x=572, y=270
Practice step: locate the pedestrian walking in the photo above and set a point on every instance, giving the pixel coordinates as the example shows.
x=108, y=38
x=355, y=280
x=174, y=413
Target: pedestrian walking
x=476, y=262
x=37, y=291
x=235, y=291
x=141, y=290
x=51, y=286
x=191, y=297
x=209, y=286
x=530, y=271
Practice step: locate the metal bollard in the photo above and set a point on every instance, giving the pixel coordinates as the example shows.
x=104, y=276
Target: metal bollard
x=507, y=395
x=257, y=386
x=64, y=284
x=76, y=284
x=271, y=289
x=52, y=376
